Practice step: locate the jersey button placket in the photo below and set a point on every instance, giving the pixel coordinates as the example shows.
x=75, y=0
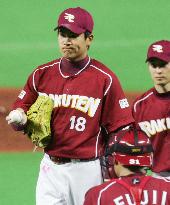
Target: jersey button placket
x=68, y=85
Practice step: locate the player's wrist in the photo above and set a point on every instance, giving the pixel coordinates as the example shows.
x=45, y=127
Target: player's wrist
x=23, y=116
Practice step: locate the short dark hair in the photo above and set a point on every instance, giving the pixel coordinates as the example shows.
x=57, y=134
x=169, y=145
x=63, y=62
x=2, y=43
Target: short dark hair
x=156, y=62
x=87, y=34
x=63, y=29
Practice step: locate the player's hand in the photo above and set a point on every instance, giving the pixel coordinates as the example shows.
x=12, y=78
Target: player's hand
x=17, y=117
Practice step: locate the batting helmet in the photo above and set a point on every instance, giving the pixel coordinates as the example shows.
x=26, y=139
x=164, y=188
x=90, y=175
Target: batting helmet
x=130, y=147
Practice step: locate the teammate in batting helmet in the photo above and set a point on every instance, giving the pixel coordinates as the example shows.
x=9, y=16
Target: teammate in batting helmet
x=129, y=152
x=131, y=149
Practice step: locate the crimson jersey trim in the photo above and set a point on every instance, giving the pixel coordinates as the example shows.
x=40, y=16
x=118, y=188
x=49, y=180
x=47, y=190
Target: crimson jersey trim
x=41, y=68
x=163, y=178
x=104, y=189
x=97, y=142
x=67, y=76
x=105, y=74
x=47, y=66
x=115, y=182
x=142, y=99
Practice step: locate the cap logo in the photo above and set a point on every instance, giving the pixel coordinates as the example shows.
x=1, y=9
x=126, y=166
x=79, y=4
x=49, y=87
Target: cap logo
x=69, y=17
x=157, y=48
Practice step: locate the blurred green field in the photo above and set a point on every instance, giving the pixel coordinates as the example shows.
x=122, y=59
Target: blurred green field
x=123, y=30
x=18, y=176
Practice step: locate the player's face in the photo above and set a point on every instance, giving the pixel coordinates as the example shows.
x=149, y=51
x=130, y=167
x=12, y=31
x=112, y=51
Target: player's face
x=160, y=72
x=73, y=46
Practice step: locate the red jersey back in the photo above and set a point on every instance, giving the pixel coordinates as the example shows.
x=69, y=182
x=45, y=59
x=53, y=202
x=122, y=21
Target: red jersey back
x=155, y=192
x=83, y=104
x=152, y=113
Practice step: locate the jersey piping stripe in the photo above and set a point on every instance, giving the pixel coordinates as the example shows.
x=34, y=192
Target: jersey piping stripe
x=40, y=69
x=166, y=179
x=97, y=142
x=141, y=100
x=105, y=74
x=163, y=178
x=67, y=76
x=100, y=193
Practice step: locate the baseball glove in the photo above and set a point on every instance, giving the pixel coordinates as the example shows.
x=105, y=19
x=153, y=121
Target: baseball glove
x=38, y=121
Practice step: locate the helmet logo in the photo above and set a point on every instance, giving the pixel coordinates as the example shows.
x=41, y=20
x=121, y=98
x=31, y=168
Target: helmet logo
x=69, y=17
x=157, y=48
x=134, y=150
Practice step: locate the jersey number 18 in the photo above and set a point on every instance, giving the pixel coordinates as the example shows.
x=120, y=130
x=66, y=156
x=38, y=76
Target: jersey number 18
x=77, y=123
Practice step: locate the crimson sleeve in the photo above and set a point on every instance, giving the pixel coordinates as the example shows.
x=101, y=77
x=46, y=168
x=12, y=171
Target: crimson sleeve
x=116, y=110
x=28, y=95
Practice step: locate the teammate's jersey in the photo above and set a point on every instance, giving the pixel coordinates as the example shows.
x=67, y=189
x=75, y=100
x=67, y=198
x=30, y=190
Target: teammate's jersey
x=152, y=113
x=83, y=103
x=155, y=192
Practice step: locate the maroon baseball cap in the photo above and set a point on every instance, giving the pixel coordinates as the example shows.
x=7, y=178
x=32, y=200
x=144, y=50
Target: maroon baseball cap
x=77, y=20
x=160, y=50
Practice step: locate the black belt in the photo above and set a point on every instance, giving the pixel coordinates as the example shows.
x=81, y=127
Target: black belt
x=63, y=160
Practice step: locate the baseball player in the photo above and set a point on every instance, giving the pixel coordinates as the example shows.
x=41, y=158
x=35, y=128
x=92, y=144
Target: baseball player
x=130, y=153
x=152, y=109
x=88, y=99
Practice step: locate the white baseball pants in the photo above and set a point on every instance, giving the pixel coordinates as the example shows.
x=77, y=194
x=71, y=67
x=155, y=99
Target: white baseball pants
x=66, y=184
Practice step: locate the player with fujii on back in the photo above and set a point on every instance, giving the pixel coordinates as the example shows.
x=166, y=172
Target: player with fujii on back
x=130, y=154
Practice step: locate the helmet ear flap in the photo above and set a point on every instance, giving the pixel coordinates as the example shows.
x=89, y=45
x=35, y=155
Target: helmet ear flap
x=115, y=161
x=109, y=168
x=114, y=140
x=135, y=136
x=109, y=160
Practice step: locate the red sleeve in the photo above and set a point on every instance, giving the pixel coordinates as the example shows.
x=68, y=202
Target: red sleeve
x=28, y=95
x=116, y=111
